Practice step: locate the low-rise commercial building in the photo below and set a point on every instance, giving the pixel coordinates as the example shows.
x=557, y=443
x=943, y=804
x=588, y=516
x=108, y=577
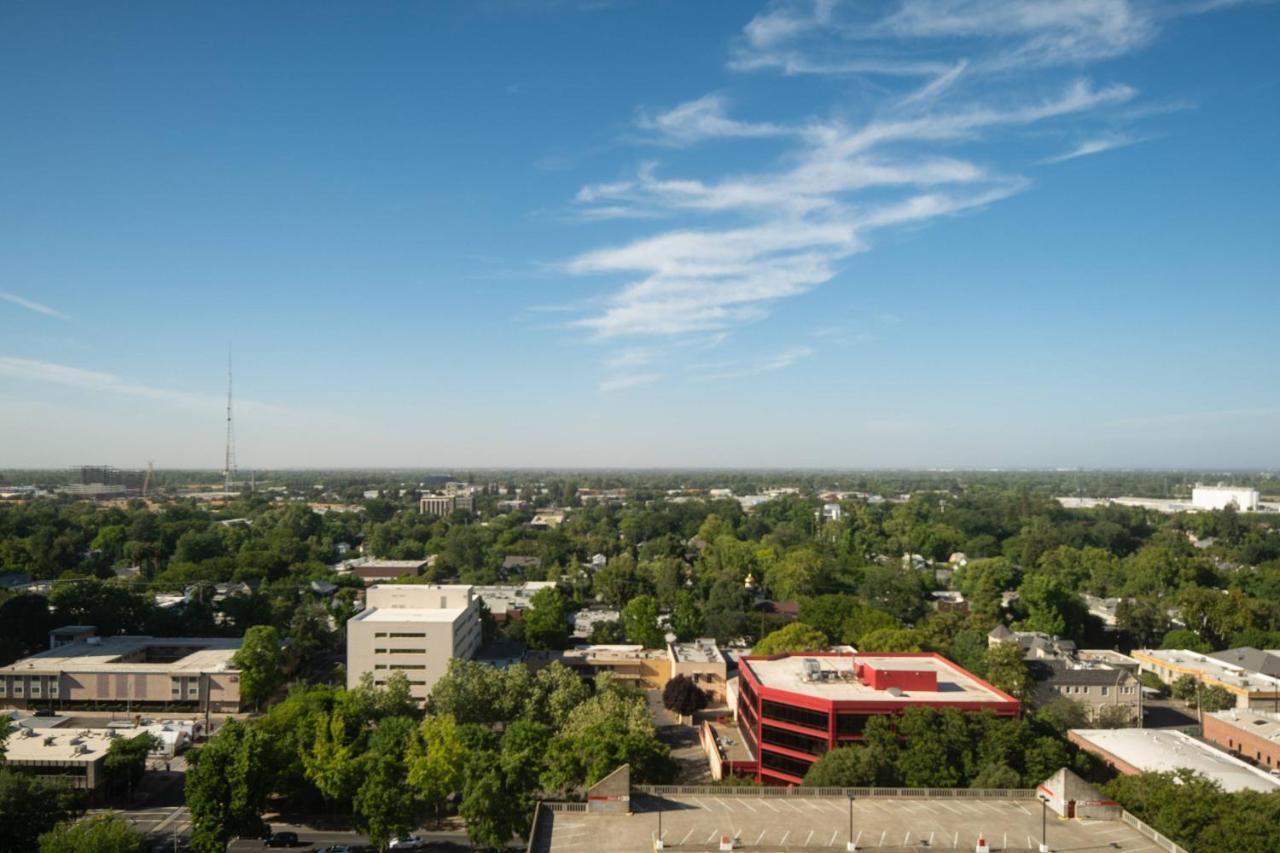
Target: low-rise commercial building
x=76, y=757
x=415, y=629
x=129, y=671
x=1252, y=735
x=1252, y=689
x=793, y=709
x=702, y=662
x=509, y=601
x=379, y=571
x=1133, y=751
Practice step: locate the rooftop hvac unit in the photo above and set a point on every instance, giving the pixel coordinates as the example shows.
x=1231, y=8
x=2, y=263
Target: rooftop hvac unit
x=894, y=691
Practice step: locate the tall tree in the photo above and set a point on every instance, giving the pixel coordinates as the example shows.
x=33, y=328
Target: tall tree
x=260, y=660
x=546, y=622
x=640, y=619
x=227, y=784
x=104, y=833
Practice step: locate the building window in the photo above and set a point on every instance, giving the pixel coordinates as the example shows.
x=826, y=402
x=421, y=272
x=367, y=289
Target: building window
x=407, y=651
x=409, y=666
x=380, y=634
x=784, y=764
x=395, y=636
x=1105, y=690
x=793, y=740
x=850, y=724
x=795, y=716
x=379, y=651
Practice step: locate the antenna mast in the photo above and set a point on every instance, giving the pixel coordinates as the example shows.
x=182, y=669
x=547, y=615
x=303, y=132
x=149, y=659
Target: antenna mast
x=229, y=464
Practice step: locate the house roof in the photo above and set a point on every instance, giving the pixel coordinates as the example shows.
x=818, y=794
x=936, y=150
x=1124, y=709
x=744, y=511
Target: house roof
x=1000, y=632
x=1057, y=672
x=1247, y=657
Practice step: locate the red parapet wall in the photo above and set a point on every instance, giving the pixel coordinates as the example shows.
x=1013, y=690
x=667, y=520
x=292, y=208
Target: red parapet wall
x=880, y=678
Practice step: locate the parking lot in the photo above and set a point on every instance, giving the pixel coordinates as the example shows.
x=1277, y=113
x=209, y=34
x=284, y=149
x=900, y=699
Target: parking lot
x=697, y=823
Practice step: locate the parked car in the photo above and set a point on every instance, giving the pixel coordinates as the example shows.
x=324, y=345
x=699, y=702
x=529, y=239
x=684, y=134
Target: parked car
x=280, y=839
x=409, y=842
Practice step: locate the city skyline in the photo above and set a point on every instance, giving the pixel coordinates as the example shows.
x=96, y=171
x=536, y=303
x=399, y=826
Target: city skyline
x=642, y=235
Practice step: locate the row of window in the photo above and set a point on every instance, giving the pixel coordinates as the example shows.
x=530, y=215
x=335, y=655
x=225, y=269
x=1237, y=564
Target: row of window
x=398, y=636
x=1106, y=690
x=784, y=764
x=35, y=686
x=795, y=716
x=793, y=740
x=399, y=651
x=399, y=666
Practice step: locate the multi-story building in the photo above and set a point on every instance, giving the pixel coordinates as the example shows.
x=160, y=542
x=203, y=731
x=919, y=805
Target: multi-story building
x=1251, y=688
x=647, y=669
x=793, y=709
x=1111, y=695
x=126, y=671
x=1253, y=735
x=439, y=505
x=415, y=629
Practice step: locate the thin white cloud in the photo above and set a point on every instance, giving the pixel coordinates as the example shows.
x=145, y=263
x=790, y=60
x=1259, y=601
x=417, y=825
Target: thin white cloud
x=49, y=373
x=619, y=383
x=765, y=364
x=1093, y=146
x=764, y=232
x=32, y=305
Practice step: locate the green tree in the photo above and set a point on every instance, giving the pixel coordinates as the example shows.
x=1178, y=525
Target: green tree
x=1008, y=672
x=682, y=696
x=546, y=622
x=796, y=637
x=126, y=760
x=436, y=760
x=32, y=805
x=996, y=776
x=260, y=660
x=1144, y=618
x=640, y=618
x=104, y=833
x=330, y=759
x=227, y=784
x=1185, y=638
x=851, y=767
x=892, y=640
x=490, y=810
x=383, y=806
x=796, y=574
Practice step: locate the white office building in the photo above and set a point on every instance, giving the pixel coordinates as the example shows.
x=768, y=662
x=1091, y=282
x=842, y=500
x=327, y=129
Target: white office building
x=415, y=629
x=1221, y=497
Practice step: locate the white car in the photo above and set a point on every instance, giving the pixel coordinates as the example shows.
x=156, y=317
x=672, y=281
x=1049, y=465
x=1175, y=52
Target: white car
x=409, y=842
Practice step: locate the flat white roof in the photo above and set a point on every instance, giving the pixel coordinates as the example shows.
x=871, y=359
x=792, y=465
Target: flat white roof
x=410, y=614
x=1227, y=673
x=788, y=673
x=1256, y=723
x=208, y=654
x=1163, y=750
x=57, y=745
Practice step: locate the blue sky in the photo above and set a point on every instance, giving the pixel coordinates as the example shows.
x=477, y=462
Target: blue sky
x=953, y=233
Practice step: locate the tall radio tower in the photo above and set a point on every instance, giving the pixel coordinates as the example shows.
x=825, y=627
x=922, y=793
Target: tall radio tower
x=229, y=464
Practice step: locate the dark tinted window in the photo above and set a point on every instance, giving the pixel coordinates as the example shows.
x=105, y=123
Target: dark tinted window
x=794, y=740
x=795, y=716
x=784, y=763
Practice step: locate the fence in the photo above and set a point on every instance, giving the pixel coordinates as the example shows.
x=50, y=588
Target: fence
x=857, y=793
x=1161, y=841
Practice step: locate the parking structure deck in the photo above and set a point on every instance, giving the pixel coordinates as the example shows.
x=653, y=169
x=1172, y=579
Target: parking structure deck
x=694, y=824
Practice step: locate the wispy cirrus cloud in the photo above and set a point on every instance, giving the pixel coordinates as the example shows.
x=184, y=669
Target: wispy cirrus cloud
x=32, y=305
x=618, y=383
x=49, y=373
x=1093, y=146
x=755, y=366
x=741, y=239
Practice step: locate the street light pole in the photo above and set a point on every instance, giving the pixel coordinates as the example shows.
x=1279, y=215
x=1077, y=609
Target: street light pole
x=852, y=845
x=1044, y=824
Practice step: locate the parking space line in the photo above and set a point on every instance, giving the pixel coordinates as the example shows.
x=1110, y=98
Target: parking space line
x=809, y=838
x=772, y=807
x=723, y=803
x=882, y=835
x=686, y=836
x=743, y=802
x=784, y=838
x=758, y=840
x=701, y=804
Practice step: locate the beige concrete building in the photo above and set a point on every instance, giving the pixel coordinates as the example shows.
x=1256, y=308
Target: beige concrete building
x=703, y=663
x=1252, y=689
x=414, y=629
x=129, y=671
x=76, y=757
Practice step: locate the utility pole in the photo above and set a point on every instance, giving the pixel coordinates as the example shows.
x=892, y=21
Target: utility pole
x=229, y=461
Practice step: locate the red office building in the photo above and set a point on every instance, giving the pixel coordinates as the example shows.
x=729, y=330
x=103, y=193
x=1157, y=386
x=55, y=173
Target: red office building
x=793, y=708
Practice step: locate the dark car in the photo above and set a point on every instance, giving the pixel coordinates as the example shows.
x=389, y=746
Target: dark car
x=280, y=839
